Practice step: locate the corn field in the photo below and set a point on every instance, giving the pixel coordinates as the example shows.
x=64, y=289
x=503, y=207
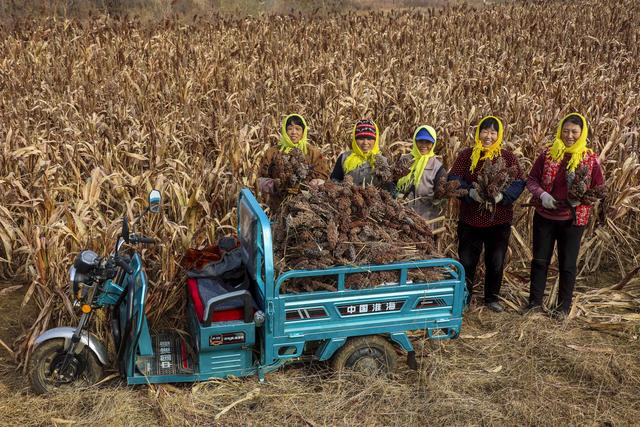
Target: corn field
x=96, y=113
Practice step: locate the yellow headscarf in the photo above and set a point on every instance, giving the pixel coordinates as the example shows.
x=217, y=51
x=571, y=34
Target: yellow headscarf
x=419, y=161
x=285, y=144
x=577, y=150
x=357, y=157
x=490, y=152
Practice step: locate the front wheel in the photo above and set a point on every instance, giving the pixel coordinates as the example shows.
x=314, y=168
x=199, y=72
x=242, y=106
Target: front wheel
x=46, y=373
x=369, y=354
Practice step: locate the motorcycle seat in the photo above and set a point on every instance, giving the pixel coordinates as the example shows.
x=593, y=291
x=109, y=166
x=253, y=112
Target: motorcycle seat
x=201, y=290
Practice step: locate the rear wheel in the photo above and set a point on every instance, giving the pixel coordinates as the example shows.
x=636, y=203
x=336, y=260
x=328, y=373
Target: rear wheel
x=45, y=368
x=370, y=354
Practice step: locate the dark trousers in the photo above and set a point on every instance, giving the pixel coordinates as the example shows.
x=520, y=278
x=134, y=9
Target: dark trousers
x=495, y=240
x=546, y=232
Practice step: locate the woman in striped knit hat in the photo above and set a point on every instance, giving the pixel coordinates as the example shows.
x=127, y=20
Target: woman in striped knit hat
x=360, y=162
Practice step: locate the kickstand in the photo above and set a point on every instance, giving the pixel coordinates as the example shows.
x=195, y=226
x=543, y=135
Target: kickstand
x=411, y=360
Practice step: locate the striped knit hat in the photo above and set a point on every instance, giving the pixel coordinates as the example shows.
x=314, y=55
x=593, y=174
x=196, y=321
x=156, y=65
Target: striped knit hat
x=365, y=129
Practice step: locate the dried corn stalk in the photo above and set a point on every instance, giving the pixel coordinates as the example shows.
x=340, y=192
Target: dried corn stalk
x=83, y=140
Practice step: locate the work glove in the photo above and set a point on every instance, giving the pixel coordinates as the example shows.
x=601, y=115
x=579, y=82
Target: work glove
x=548, y=201
x=473, y=193
x=266, y=185
x=316, y=182
x=498, y=198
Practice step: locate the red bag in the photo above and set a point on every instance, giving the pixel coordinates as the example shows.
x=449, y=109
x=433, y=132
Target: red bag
x=196, y=259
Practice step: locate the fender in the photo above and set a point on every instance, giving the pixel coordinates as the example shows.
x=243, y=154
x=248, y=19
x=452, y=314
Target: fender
x=87, y=339
x=329, y=348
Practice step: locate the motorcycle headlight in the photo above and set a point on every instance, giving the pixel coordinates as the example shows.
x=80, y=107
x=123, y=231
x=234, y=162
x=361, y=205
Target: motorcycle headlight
x=72, y=274
x=86, y=261
x=80, y=273
x=76, y=280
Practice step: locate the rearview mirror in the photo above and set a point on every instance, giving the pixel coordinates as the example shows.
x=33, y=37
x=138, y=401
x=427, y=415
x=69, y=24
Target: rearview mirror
x=125, y=228
x=154, y=201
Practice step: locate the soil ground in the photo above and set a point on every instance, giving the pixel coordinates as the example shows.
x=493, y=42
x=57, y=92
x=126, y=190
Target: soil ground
x=506, y=369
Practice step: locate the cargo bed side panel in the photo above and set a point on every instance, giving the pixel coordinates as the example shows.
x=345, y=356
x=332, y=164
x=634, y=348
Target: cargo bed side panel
x=382, y=310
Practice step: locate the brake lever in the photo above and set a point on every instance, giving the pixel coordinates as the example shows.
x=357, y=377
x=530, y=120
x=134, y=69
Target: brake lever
x=124, y=265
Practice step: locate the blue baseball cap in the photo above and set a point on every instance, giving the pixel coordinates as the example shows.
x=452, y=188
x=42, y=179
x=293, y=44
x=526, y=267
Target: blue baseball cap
x=424, y=135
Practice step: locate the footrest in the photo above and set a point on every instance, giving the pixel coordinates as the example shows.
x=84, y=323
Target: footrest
x=172, y=356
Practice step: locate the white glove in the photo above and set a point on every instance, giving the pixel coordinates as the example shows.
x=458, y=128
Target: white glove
x=548, y=201
x=266, y=185
x=473, y=193
x=498, y=198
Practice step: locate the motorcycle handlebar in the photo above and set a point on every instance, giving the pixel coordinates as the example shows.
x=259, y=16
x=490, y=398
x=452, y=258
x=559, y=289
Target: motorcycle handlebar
x=142, y=239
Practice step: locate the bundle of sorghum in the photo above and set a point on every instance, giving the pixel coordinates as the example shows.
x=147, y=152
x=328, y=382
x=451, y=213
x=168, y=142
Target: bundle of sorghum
x=289, y=170
x=592, y=195
x=448, y=189
x=401, y=167
x=494, y=178
x=579, y=183
x=382, y=169
x=343, y=224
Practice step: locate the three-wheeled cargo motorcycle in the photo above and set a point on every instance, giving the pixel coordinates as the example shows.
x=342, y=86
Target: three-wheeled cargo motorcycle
x=249, y=326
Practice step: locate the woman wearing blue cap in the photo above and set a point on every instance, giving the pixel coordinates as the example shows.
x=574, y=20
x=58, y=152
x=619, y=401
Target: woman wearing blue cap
x=426, y=169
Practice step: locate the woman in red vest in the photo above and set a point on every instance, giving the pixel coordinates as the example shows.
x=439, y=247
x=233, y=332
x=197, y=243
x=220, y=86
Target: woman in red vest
x=558, y=219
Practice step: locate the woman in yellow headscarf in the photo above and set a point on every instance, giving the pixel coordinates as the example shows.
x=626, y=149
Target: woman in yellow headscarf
x=558, y=219
x=425, y=172
x=364, y=162
x=293, y=136
x=478, y=227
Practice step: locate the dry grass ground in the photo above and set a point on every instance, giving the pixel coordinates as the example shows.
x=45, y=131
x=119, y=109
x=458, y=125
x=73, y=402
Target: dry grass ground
x=506, y=369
